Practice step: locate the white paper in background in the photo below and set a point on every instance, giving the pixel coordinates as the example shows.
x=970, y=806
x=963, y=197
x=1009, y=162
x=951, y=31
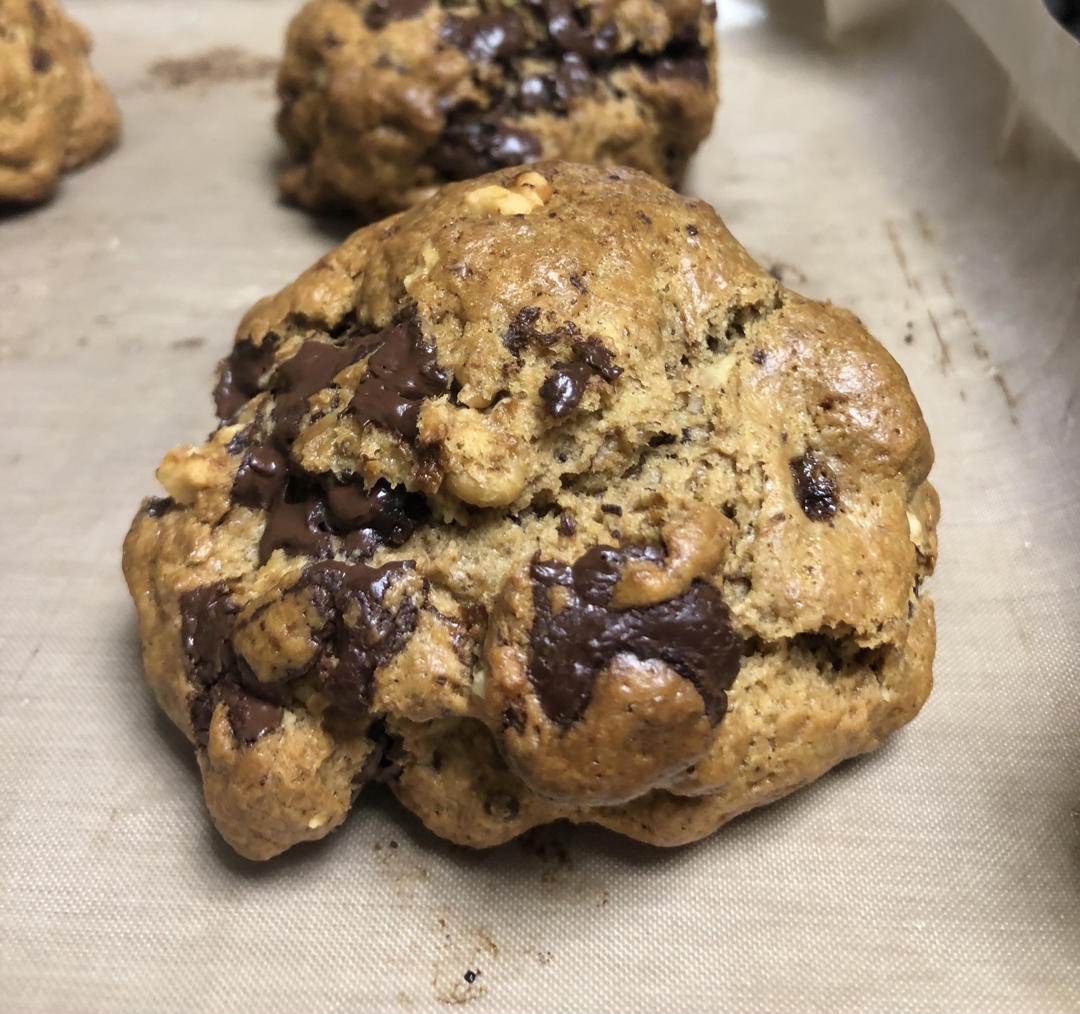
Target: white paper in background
x=941, y=873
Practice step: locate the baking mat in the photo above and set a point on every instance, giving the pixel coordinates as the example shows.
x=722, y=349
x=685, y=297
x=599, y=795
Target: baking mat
x=942, y=872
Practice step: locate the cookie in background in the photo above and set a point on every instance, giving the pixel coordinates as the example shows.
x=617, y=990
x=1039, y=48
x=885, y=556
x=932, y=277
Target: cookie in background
x=55, y=113
x=383, y=100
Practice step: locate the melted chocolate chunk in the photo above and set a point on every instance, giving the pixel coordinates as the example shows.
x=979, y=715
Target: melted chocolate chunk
x=815, y=487
x=241, y=374
x=249, y=717
x=260, y=478
x=571, y=30
x=159, y=505
x=388, y=512
x=402, y=372
x=564, y=387
x=305, y=512
x=471, y=146
x=207, y=624
x=381, y=12
x=523, y=331
x=486, y=37
x=299, y=526
x=312, y=368
x=553, y=90
x=359, y=630
x=599, y=357
x=692, y=633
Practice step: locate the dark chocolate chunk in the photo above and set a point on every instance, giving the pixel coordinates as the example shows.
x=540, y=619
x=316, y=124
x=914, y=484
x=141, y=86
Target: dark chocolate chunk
x=563, y=389
x=249, y=717
x=312, y=368
x=486, y=37
x=692, y=634
x=565, y=385
x=402, y=371
x=241, y=374
x=207, y=624
x=157, y=506
x=567, y=525
x=260, y=478
x=554, y=89
x=207, y=620
x=389, y=512
x=41, y=61
x=383, y=763
x=471, y=146
x=523, y=331
x=360, y=633
x=381, y=12
x=599, y=357
x=571, y=30
x=815, y=487
x=299, y=526
x=611, y=508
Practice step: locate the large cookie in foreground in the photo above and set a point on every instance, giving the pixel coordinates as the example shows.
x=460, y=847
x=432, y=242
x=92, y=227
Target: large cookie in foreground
x=539, y=500
x=55, y=113
x=383, y=100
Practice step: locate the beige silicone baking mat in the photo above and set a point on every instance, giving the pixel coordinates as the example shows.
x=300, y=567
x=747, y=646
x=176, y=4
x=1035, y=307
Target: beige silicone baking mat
x=941, y=873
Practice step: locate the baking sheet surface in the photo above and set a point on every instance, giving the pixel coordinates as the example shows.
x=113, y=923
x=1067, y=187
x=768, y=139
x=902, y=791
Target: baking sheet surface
x=942, y=872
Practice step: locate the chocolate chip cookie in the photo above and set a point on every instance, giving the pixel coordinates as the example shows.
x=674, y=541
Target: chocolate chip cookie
x=539, y=500
x=55, y=113
x=383, y=100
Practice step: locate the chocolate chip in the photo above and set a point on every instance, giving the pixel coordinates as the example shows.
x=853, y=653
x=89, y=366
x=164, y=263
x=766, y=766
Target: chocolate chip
x=242, y=373
x=758, y=356
x=567, y=525
x=692, y=634
x=471, y=146
x=41, y=61
x=486, y=37
x=611, y=508
x=691, y=230
x=380, y=13
x=644, y=219
x=564, y=387
x=815, y=487
x=578, y=283
x=402, y=371
x=157, y=506
x=662, y=439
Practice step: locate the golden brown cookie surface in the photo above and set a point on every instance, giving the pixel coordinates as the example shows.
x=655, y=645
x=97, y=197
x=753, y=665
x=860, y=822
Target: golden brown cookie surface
x=383, y=100
x=55, y=113
x=539, y=500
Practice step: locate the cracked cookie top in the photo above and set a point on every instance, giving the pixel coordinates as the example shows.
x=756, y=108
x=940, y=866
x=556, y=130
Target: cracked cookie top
x=548, y=454
x=382, y=100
